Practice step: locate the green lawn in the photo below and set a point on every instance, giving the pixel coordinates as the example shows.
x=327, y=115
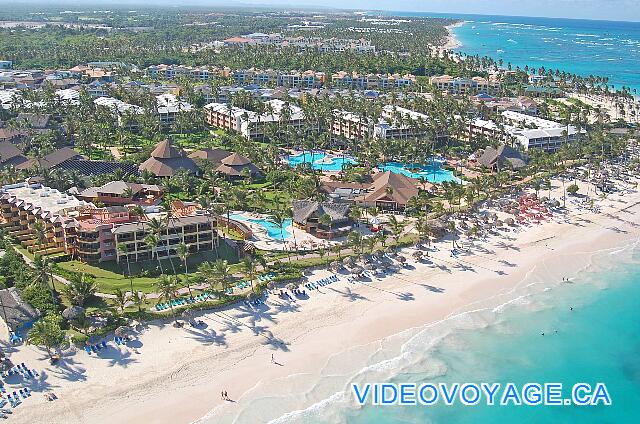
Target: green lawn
x=109, y=275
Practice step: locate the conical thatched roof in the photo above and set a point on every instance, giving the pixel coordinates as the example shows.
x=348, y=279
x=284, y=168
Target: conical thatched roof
x=166, y=150
x=166, y=159
x=235, y=159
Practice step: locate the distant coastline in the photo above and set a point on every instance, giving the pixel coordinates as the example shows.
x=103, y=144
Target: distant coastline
x=452, y=41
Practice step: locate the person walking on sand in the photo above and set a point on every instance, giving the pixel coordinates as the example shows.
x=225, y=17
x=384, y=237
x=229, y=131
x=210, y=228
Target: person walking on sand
x=272, y=360
x=222, y=395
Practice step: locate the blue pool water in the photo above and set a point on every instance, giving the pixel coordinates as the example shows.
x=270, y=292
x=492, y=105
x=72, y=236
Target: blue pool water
x=321, y=161
x=272, y=230
x=433, y=173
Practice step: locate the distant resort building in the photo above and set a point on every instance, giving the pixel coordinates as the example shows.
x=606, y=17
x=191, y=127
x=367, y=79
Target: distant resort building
x=371, y=81
x=465, y=86
x=528, y=131
x=251, y=124
x=522, y=104
x=166, y=159
x=169, y=107
x=124, y=113
x=350, y=125
x=399, y=122
x=394, y=123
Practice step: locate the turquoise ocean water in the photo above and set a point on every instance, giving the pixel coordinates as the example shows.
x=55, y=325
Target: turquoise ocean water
x=597, y=341
x=584, y=47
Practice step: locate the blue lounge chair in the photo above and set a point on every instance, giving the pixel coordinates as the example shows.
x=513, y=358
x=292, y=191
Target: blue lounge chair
x=104, y=344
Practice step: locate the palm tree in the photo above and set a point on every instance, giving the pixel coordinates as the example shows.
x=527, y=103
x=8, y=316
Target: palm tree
x=40, y=233
x=249, y=268
x=159, y=228
x=138, y=298
x=152, y=241
x=183, y=253
x=122, y=249
x=167, y=288
x=396, y=227
x=44, y=273
x=121, y=299
x=80, y=288
x=47, y=332
x=222, y=272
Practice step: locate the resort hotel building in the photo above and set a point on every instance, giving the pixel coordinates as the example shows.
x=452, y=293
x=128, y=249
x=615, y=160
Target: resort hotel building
x=528, y=131
x=394, y=122
x=47, y=221
x=464, y=86
x=252, y=124
x=197, y=232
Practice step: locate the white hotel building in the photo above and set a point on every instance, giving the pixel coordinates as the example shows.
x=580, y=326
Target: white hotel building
x=530, y=132
x=249, y=123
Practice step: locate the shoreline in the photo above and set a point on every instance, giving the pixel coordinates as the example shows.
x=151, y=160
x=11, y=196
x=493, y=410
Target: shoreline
x=177, y=374
x=452, y=41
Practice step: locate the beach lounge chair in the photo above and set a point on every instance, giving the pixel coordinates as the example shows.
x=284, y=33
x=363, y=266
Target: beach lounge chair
x=104, y=344
x=87, y=349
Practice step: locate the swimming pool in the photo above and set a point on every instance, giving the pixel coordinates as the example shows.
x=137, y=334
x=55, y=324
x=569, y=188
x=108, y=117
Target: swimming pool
x=321, y=161
x=272, y=230
x=432, y=172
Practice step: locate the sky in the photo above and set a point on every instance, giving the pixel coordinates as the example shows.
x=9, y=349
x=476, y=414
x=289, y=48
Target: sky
x=623, y=10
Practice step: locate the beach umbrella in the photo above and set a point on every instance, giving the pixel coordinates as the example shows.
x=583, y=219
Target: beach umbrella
x=370, y=267
x=417, y=255
x=122, y=331
x=334, y=266
x=357, y=270
x=271, y=285
x=401, y=259
x=292, y=286
x=498, y=223
x=509, y=221
x=73, y=312
x=187, y=314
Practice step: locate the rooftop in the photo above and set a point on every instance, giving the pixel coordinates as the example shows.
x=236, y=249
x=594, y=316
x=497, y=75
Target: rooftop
x=49, y=202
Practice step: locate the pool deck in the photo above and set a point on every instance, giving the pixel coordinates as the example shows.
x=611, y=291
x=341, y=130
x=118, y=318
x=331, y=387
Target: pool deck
x=263, y=241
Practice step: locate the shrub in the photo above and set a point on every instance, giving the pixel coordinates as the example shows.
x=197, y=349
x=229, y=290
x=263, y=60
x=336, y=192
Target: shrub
x=40, y=298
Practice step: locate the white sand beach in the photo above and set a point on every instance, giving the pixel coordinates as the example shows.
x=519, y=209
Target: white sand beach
x=453, y=42
x=175, y=375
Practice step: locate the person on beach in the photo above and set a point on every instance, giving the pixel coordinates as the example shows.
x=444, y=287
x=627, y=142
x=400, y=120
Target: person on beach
x=222, y=395
x=272, y=360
